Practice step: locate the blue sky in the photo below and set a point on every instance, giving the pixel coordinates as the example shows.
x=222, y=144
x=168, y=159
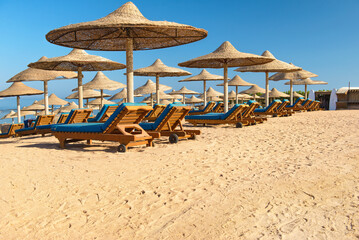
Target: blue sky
x=320, y=36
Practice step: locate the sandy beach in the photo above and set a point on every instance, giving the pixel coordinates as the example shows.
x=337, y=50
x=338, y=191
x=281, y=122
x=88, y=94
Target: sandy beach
x=289, y=178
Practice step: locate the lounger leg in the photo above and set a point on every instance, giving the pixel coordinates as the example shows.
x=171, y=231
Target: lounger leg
x=89, y=141
x=62, y=142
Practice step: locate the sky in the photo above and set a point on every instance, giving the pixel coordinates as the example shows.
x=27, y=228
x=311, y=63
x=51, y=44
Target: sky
x=320, y=36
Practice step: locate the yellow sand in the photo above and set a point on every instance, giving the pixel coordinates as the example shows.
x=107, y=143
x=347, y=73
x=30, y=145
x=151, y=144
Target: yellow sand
x=289, y=178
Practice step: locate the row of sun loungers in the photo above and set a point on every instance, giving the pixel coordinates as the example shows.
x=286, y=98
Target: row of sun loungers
x=138, y=124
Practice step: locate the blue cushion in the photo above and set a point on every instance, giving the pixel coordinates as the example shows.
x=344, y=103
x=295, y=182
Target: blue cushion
x=78, y=127
x=214, y=116
x=25, y=129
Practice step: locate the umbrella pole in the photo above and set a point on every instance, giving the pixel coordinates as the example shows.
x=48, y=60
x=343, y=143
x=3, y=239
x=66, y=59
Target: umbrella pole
x=204, y=93
x=46, y=97
x=157, y=89
x=101, y=104
x=291, y=92
x=305, y=90
x=236, y=94
x=151, y=100
x=52, y=110
x=18, y=109
x=184, y=101
x=12, y=120
x=225, y=74
x=129, y=69
x=79, y=84
x=267, y=90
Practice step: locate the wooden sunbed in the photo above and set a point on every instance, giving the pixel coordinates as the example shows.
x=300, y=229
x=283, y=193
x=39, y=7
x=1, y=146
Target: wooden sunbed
x=75, y=116
x=169, y=123
x=269, y=110
x=280, y=111
x=207, y=109
x=105, y=112
x=153, y=115
x=249, y=113
x=122, y=127
x=62, y=118
x=218, y=108
x=11, y=130
x=297, y=106
x=40, y=120
x=233, y=116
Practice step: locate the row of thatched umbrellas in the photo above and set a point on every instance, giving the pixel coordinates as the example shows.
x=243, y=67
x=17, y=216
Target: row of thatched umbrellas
x=126, y=29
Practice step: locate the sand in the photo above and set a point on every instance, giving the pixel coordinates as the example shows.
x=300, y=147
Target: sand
x=289, y=178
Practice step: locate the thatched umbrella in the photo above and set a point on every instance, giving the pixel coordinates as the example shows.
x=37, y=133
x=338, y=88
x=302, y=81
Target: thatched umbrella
x=18, y=89
x=254, y=90
x=159, y=69
x=175, y=96
x=32, y=74
x=149, y=88
x=101, y=82
x=125, y=29
x=100, y=102
x=302, y=74
x=223, y=57
x=184, y=91
x=237, y=81
x=54, y=100
x=274, y=93
x=11, y=115
x=274, y=66
x=78, y=60
x=297, y=95
x=211, y=93
x=35, y=106
x=67, y=108
x=306, y=82
x=87, y=93
x=24, y=113
x=122, y=95
x=194, y=99
x=165, y=102
x=203, y=76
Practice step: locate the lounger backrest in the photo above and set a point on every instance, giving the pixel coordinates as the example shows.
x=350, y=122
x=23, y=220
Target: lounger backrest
x=249, y=111
x=126, y=113
x=273, y=105
x=78, y=116
x=158, y=109
x=283, y=105
x=234, y=112
x=298, y=102
x=209, y=107
x=12, y=128
x=311, y=104
x=62, y=118
x=43, y=120
x=218, y=107
x=171, y=117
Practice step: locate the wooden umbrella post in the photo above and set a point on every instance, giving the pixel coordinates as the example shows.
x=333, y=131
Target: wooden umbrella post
x=225, y=75
x=151, y=100
x=101, y=105
x=129, y=69
x=267, y=90
x=291, y=92
x=80, y=87
x=236, y=94
x=184, y=101
x=305, y=90
x=46, y=97
x=18, y=109
x=204, y=93
x=158, y=89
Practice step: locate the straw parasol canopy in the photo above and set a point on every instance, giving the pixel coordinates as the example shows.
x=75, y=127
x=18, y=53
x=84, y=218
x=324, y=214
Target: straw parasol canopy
x=212, y=94
x=35, y=106
x=125, y=29
x=67, y=108
x=302, y=74
x=223, y=57
x=11, y=114
x=18, y=89
x=232, y=95
x=175, y=95
x=237, y=81
x=297, y=95
x=184, y=91
x=194, y=99
x=54, y=100
x=274, y=93
x=306, y=82
x=101, y=82
x=88, y=93
x=274, y=66
x=33, y=74
x=159, y=69
x=165, y=101
x=78, y=60
x=149, y=88
x=254, y=90
x=98, y=101
x=123, y=95
x=203, y=76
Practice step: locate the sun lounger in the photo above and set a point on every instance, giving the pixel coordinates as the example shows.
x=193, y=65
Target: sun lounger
x=233, y=116
x=153, y=115
x=249, y=113
x=281, y=111
x=75, y=116
x=62, y=118
x=169, y=123
x=11, y=130
x=105, y=112
x=207, y=109
x=122, y=127
x=218, y=108
x=297, y=106
x=40, y=120
x=311, y=105
x=269, y=110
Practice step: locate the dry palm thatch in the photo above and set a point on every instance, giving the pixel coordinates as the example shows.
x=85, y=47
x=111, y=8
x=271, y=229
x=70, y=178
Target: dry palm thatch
x=204, y=76
x=78, y=60
x=306, y=82
x=125, y=29
x=194, y=99
x=223, y=57
x=213, y=93
x=34, y=107
x=274, y=66
x=150, y=87
x=88, y=93
x=55, y=100
x=295, y=94
x=237, y=81
x=100, y=102
x=254, y=90
x=123, y=94
x=274, y=93
x=185, y=91
x=18, y=89
x=67, y=108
